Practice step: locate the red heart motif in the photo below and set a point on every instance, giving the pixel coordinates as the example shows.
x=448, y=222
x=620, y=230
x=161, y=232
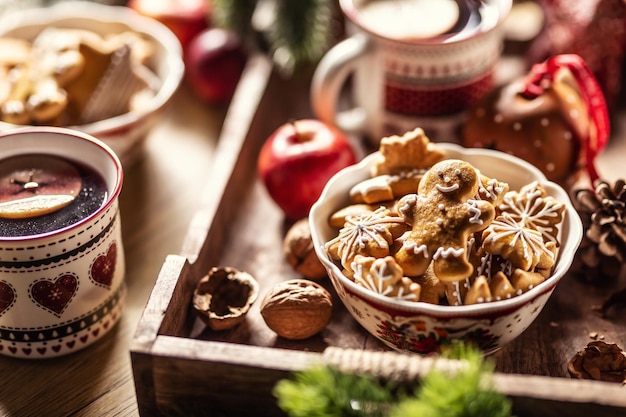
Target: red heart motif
x=55, y=295
x=7, y=296
x=103, y=268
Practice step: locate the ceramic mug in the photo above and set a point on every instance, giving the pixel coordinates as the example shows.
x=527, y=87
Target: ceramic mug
x=61, y=267
x=412, y=63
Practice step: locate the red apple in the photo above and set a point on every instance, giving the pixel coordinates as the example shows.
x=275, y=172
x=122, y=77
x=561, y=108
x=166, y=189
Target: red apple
x=214, y=62
x=186, y=18
x=298, y=159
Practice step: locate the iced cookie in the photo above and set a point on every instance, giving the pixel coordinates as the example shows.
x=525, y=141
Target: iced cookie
x=523, y=246
x=532, y=207
x=369, y=234
x=384, y=276
x=408, y=152
x=443, y=216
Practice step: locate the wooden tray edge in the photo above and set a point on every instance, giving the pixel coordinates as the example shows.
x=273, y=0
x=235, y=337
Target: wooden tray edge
x=155, y=342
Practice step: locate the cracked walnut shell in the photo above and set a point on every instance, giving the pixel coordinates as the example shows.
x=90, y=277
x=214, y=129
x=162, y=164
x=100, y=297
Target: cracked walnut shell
x=297, y=309
x=223, y=297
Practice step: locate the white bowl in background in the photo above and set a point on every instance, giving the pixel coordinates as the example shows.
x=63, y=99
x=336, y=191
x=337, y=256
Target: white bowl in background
x=125, y=133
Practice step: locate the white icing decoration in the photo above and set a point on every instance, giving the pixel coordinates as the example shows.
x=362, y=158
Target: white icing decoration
x=447, y=189
x=380, y=182
x=448, y=252
x=457, y=294
x=492, y=191
x=374, y=282
x=474, y=212
x=534, y=212
x=361, y=230
x=408, y=202
x=381, y=279
x=531, y=240
x=415, y=248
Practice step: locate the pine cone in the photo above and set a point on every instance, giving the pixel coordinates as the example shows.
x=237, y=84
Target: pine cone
x=603, y=214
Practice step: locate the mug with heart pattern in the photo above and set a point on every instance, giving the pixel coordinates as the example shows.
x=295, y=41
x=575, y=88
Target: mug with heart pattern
x=62, y=261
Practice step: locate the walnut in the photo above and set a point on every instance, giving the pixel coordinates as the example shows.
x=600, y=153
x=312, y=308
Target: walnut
x=223, y=297
x=299, y=251
x=297, y=309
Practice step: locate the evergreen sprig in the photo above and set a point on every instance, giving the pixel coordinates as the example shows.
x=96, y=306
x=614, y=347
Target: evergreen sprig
x=301, y=33
x=466, y=393
x=323, y=391
x=298, y=34
x=235, y=15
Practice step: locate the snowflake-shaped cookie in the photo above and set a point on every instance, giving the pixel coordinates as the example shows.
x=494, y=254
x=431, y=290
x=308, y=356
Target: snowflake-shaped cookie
x=368, y=234
x=522, y=245
x=533, y=208
x=384, y=276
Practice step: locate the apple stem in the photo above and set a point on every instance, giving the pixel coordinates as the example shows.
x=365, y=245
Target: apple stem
x=298, y=137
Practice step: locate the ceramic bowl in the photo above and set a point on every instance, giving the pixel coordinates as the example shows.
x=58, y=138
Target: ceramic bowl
x=422, y=327
x=125, y=133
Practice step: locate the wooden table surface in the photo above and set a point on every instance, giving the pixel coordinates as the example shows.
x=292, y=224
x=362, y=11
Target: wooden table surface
x=159, y=197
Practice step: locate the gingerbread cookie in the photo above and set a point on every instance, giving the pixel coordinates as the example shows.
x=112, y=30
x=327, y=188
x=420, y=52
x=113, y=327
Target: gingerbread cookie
x=384, y=276
x=521, y=245
x=338, y=218
x=369, y=234
x=408, y=152
x=492, y=190
x=433, y=290
x=460, y=237
x=68, y=77
x=532, y=207
x=442, y=219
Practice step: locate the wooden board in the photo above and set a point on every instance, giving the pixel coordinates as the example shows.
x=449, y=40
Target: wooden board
x=182, y=368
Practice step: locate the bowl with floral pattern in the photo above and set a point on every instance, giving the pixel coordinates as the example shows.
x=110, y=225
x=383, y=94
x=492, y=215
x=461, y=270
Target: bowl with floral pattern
x=483, y=308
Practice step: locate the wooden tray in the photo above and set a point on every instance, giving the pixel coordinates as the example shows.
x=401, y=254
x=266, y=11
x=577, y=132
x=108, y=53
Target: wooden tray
x=181, y=368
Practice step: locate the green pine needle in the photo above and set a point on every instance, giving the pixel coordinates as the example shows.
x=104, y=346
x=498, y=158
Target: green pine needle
x=323, y=391
x=298, y=34
x=235, y=15
x=466, y=393
x=301, y=32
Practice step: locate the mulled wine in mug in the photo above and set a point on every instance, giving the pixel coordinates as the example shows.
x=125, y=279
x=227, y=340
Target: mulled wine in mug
x=411, y=63
x=61, y=255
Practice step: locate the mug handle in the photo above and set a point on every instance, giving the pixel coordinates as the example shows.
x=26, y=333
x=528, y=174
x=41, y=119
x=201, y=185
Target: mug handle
x=329, y=78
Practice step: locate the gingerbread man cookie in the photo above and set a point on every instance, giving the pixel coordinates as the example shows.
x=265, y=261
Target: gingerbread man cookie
x=443, y=216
